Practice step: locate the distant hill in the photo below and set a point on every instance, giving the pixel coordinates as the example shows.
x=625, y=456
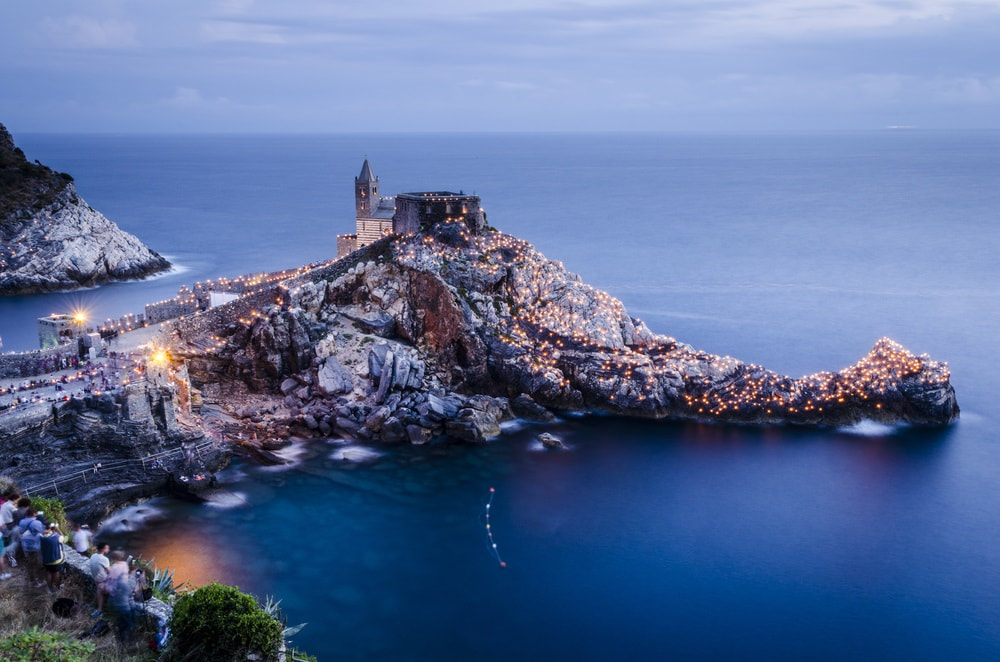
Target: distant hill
x=50, y=239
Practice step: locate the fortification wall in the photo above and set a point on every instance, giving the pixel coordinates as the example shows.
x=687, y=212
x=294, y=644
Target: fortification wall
x=346, y=244
x=17, y=365
x=202, y=326
x=418, y=211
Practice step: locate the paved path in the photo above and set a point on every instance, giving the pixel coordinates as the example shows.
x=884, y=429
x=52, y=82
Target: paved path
x=106, y=373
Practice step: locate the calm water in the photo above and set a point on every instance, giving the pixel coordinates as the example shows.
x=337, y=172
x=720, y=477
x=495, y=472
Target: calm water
x=646, y=540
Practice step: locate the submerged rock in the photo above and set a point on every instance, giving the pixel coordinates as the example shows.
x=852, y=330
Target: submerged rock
x=551, y=442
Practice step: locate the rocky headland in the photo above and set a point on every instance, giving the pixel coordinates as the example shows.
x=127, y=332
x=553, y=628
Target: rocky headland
x=99, y=452
x=51, y=239
x=457, y=328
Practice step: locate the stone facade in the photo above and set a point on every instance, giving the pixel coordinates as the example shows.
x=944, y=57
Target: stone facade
x=346, y=243
x=56, y=329
x=407, y=213
x=418, y=211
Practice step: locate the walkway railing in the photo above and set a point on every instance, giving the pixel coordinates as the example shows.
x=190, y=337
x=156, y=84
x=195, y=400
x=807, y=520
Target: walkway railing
x=147, y=462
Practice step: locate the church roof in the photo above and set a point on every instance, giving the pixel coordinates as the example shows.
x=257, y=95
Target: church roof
x=386, y=208
x=366, y=173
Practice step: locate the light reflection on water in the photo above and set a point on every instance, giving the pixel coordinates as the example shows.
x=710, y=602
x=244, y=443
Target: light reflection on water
x=644, y=535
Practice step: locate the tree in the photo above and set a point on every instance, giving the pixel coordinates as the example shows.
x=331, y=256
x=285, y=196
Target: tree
x=219, y=622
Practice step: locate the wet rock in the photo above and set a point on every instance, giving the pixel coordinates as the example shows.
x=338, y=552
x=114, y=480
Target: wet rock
x=418, y=435
x=551, y=442
x=347, y=425
x=499, y=408
x=393, y=430
x=472, y=425
x=524, y=407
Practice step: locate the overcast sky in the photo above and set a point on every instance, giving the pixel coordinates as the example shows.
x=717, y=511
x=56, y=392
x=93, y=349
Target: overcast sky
x=537, y=65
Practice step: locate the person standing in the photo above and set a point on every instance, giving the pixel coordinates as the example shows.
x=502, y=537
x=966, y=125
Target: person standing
x=7, y=525
x=3, y=566
x=99, y=565
x=119, y=591
x=52, y=556
x=31, y=529
x=81, y=538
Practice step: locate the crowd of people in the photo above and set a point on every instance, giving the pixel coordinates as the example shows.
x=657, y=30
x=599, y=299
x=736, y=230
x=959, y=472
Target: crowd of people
x=35, y=545
x=92, y=379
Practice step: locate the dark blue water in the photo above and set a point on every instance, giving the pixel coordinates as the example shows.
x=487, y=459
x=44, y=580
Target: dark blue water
x=646, y=540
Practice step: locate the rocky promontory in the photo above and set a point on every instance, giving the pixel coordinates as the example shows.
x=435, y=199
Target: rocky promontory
x=51, y=239
x=452, y=330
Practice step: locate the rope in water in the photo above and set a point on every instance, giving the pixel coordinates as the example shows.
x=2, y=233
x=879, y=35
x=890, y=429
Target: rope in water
x=489, y=530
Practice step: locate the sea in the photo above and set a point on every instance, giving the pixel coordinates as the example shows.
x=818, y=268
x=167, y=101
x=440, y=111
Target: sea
x=644, y=540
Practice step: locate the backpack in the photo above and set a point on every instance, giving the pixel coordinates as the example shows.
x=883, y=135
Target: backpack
x=65, y=607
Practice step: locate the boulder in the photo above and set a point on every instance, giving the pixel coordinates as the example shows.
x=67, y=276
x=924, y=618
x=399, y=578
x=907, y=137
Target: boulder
x=472, y=425
x=524, y=407
x=551, y=442
x=385, y=381
x=347, y=426
x=376, y=359
x=393, y=430
x=332, y=378
x=418, y=435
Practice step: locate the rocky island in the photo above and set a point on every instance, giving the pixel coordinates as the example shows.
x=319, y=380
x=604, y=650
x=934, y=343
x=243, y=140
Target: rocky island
x=51, y=239
x=456, y=327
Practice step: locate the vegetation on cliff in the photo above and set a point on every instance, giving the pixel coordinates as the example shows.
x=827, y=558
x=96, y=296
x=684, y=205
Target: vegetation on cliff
x=27, y=187
x=50, y=239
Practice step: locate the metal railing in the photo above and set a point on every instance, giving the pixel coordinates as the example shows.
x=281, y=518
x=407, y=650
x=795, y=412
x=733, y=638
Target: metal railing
x=147, y=462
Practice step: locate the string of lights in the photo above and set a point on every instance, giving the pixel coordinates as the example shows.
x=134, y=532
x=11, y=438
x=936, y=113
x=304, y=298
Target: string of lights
x=485, y=519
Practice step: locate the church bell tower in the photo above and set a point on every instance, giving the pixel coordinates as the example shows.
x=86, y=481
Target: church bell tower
x=365, y=192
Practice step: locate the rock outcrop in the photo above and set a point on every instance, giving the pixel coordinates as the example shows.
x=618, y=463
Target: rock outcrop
x=100, y=452
x=445, y=332
x=50, y=239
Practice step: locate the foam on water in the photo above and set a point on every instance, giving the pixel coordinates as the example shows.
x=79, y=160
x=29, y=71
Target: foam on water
x=868, y=428
x=355, y=454
x=130, y=519
x=292, y=455
x=227, y=500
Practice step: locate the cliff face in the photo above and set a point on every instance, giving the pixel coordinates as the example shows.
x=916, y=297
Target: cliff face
x=404, y=338
x=50, y=239
x=100, y=452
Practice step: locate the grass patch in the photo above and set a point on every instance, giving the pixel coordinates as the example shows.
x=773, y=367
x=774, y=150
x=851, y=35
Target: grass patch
x=23, y=607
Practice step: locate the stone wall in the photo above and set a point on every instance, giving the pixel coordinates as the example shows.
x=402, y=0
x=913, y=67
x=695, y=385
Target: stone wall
x=346, y=244
x=415, y=212
x=16, y=365
x=165, y=310
x=78, y=566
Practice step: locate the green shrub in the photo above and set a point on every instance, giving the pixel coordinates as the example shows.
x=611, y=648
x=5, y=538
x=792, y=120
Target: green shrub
x=54, y=511
x=218, y=622
x=36, y=646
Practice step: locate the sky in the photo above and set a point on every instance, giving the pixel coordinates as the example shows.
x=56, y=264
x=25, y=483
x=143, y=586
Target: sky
x=498, y=65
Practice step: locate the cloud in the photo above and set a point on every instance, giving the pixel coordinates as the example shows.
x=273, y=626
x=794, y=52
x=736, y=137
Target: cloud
x=86, y=32
x=189, y=98
x=242, y=31
x=515, y=86
x=233, y=7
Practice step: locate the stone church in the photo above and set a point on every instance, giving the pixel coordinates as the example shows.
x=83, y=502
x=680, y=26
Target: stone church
x=406, y=213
